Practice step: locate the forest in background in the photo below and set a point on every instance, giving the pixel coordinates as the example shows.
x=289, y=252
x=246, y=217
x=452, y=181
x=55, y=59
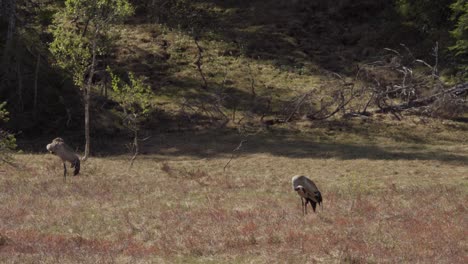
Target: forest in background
x=178, y=65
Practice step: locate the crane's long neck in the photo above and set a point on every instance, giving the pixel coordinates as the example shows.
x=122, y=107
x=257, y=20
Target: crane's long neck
x=300, y=190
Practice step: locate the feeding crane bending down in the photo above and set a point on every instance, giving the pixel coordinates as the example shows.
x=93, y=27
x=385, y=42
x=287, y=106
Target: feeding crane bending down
x=308, y=192
x=59, y=148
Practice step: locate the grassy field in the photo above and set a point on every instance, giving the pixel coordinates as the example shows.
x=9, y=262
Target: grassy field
x=389, y=196
x=394, y=192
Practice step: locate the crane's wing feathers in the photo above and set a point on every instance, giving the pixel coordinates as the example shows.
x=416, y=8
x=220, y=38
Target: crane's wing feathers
x=68, y=148
x=314, y=196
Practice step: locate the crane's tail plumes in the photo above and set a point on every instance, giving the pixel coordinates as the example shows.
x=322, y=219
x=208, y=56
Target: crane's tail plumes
x=319, y=199
x=313, y=204
x=76, y=165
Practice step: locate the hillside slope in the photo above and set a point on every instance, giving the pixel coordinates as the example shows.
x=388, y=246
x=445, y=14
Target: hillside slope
x=213, y=64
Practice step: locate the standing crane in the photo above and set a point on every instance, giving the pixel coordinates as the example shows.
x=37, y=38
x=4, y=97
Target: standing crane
x=59, y=148
x=308, y=192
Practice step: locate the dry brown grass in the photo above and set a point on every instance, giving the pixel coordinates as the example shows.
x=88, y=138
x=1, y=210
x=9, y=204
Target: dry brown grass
x=383, y=203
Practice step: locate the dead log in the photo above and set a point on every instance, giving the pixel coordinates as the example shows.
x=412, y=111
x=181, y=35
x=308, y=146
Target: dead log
x=455, y=91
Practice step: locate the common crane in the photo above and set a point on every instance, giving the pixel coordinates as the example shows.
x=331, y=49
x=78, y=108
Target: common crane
x=308, y=192
x=59, y=148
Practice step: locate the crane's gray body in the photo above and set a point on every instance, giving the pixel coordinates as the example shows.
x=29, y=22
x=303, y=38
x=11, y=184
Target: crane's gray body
x=307, y=190
x=59, y=148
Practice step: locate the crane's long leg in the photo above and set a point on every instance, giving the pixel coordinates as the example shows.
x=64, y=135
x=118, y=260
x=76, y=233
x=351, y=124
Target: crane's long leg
x=313, y=204
x=305, y=206
x=302, y=207
x=64, y=172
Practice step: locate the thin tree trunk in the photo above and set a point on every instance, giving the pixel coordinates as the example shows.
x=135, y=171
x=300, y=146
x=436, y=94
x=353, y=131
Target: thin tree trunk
x=199, y=64
x=11, y=20
x=87, y=97
x=87, y=138
x=135, y=145
x=19, y=90
x=435, y=71
x=105, y=89
x=36, y=77
x=11, y=13
x=252, y=83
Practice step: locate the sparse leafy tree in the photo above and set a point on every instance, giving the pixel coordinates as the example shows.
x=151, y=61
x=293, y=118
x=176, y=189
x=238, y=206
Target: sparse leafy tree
x=135, y=98
x=78, y=33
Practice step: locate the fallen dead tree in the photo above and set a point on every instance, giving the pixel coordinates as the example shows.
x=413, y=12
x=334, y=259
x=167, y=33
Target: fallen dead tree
x=399, y=83
x=457, y=91
x=393, y=85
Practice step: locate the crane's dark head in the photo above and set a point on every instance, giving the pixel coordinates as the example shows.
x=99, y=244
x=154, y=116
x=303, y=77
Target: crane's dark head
x=56, y=143
x=300, y=189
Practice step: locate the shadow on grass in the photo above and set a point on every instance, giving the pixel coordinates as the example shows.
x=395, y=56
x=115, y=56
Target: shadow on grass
x=222, y=143
x=208, y=145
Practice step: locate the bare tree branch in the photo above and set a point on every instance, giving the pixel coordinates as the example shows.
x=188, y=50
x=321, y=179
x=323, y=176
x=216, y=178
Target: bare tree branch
x=199, y=64
x=234, y=153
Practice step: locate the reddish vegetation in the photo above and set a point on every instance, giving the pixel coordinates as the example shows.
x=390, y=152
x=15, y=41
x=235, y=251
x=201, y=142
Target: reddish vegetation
x=31, y=242
x=188, y=210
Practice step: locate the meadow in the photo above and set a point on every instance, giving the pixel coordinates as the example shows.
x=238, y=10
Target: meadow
x=222, y=73
x=393, y=192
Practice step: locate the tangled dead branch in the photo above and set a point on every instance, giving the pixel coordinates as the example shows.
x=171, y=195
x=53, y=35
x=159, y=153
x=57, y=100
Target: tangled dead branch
x=456, y=96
